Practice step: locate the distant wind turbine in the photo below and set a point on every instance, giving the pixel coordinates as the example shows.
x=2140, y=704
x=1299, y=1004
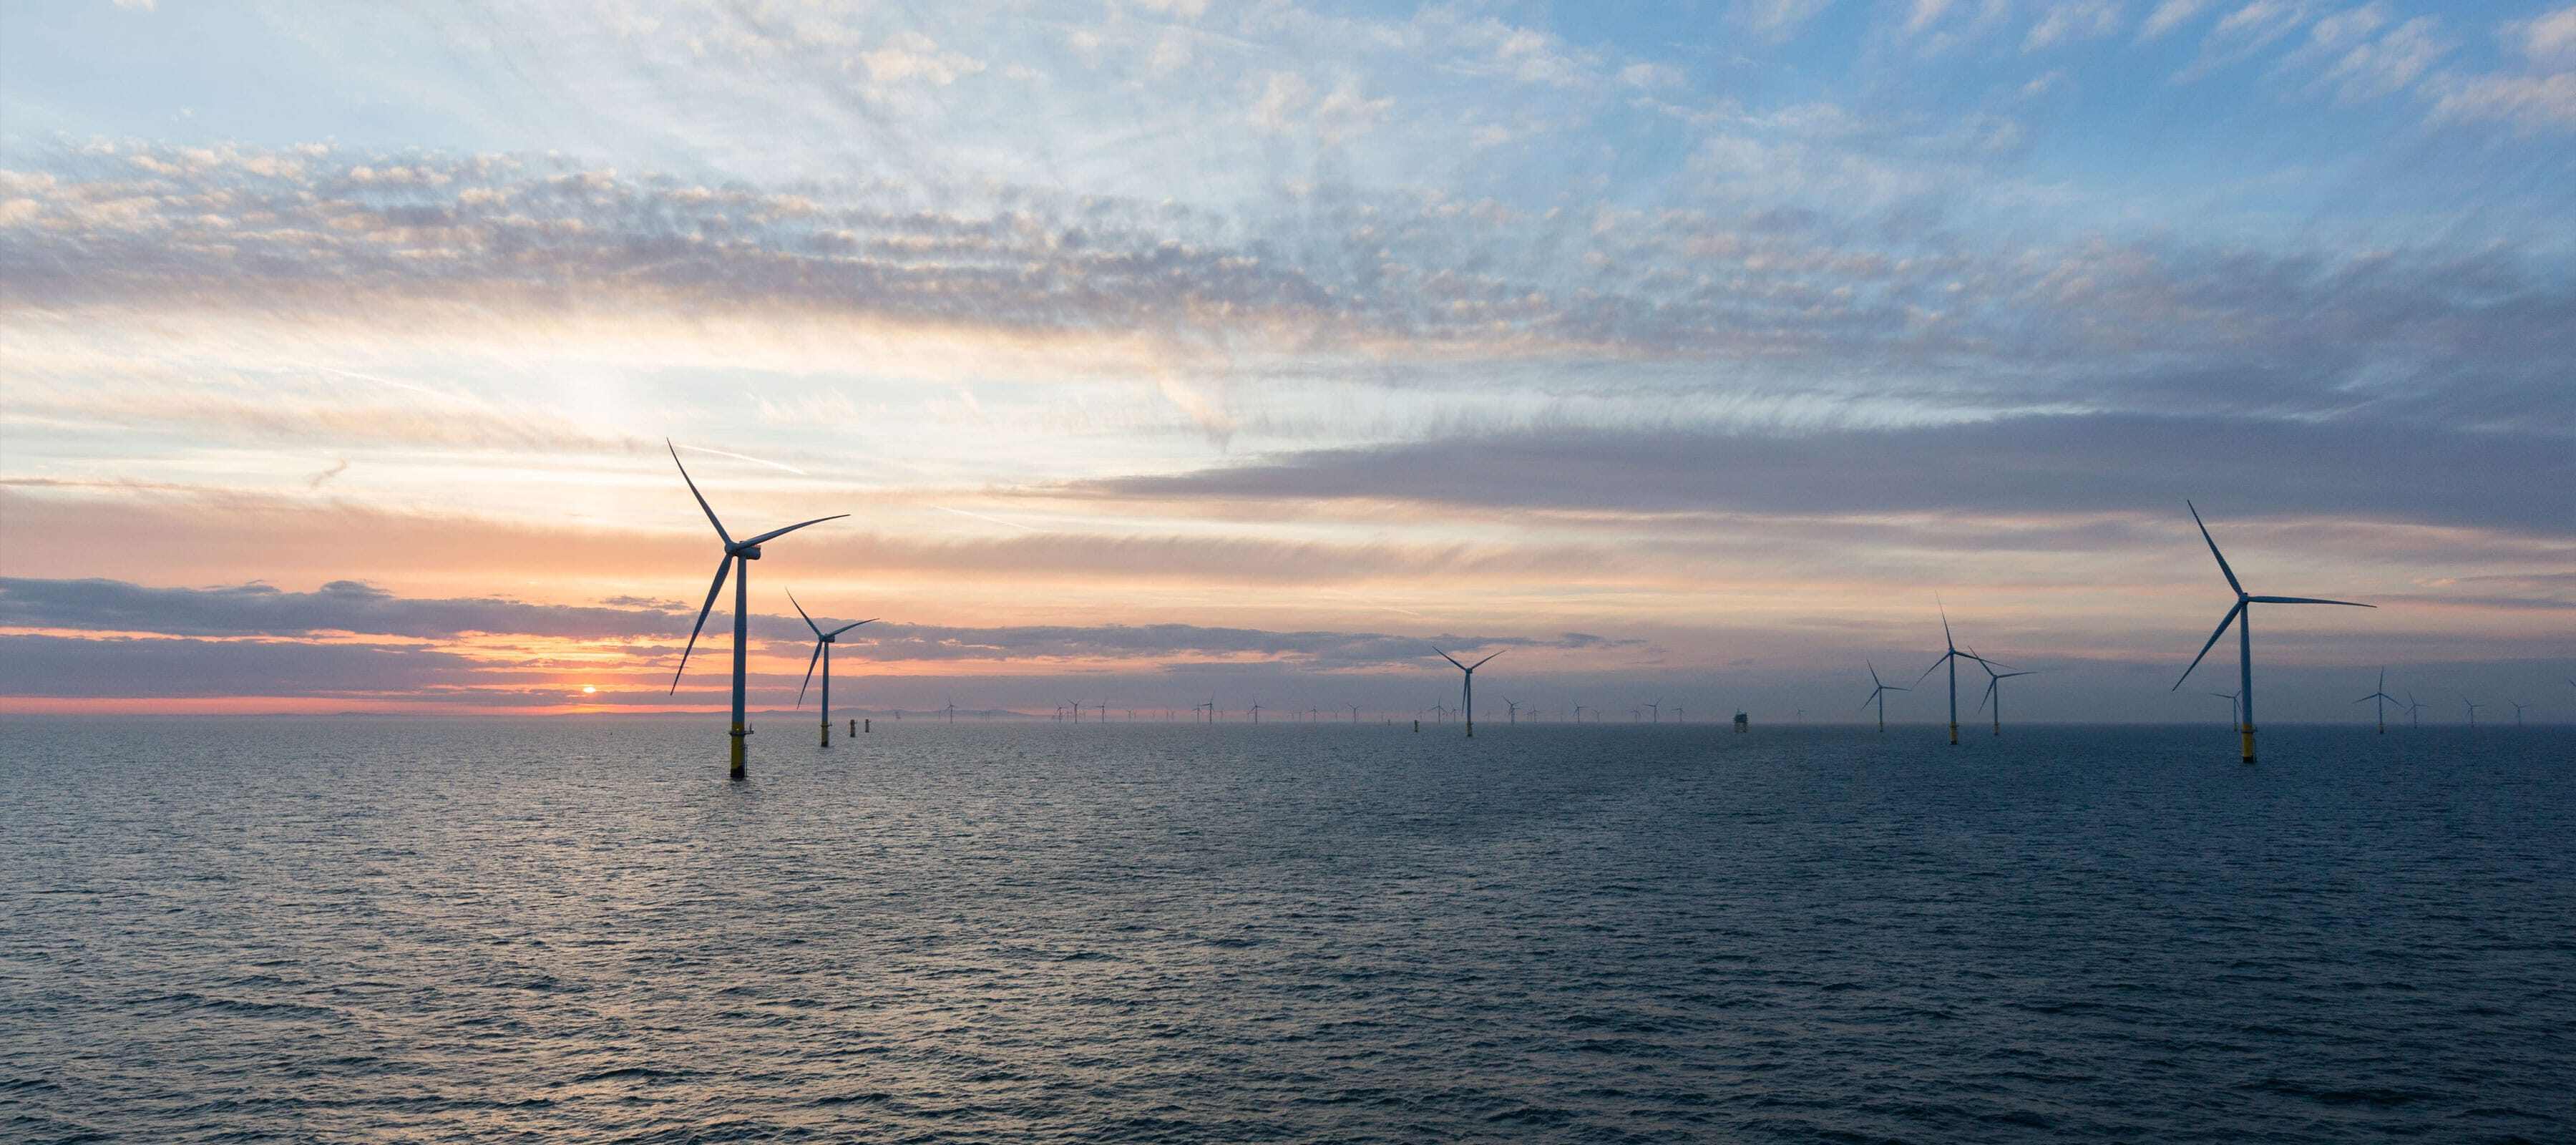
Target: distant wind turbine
x=2473, y=711
x=1995, y=690
x=952, y=710
x=2384, y=700
x=1467, y=688
x=1654, y=713
x=2233, y=724
x=2242, y=616
x=1511, y=711
x=735, y=552
x=1355, y=713
x=2518, y=706
x=1878, y=690
x=1256, y=713
x=1950, y=657
x=2414, y=712
x=823, y=642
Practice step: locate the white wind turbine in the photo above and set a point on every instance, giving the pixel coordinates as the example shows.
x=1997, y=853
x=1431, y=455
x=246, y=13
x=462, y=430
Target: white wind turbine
x=1951, y=657
x=1995, y=689
x=2242, y=616
x=2233, y=723
x=743, y=552
x=1467, y=689
x=2384, y=700
x=1878, y=691
x=823, y=642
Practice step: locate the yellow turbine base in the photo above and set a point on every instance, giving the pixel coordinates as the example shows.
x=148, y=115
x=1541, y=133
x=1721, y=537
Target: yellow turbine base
x=827, y=733
x=737, y=752
x=2248, y=738
x=1954, y=735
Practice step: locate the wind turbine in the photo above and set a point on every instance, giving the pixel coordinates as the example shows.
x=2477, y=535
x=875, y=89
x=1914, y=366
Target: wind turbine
x=1511, y=711
x=823, y=642
x=1355, y=713
x=2384, y=700
x=1995, y=689
x=1654, y=713
x=952, y=709
x=2473, y=712
x=2233, y=724
x=2414, y=712
x=1467, y=689
x=1256, y=713
x=1951, y=658
x=1878, y=691
x=735, y=552
x=2518, y=706
x=2242, y=616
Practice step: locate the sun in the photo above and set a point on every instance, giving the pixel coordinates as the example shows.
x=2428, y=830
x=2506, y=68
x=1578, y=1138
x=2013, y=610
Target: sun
x=589, y=690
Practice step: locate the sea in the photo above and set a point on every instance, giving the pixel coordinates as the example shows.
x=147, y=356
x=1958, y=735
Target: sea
x=578, y=930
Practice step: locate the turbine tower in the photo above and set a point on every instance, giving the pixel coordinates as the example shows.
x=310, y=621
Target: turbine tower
x=2242, y=616
x=743, y=552
x=823, y=642
x=1878, y=691
x=1467, y=689
x=2384, y=700
x=1950, y=657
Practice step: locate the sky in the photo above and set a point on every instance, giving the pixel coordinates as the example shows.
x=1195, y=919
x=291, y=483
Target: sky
x=1700, y=354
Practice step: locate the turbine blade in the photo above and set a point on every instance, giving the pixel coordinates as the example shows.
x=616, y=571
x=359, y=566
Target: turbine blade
x=722, y=567
x=1448, y=657
x=2213, y=549
x=847, y=627
x=1990, y=692
x=809, y=673
x=1873, y=674
x=793, y=528
x=1894, y=688
x=2305, y=600
x=1936, y=666
x=1481, y=663
x=693, y=491
x=2223, y=622
x=800, y=611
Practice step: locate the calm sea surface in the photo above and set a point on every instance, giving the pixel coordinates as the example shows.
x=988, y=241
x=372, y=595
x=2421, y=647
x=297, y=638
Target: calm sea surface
x=577, y=930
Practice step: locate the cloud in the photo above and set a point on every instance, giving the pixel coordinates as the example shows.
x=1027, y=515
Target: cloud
x=2169, y=15
x=67, y=667
x=2241, y=33
x=2071, y=22
x=2041, y=464
x=2547, y=40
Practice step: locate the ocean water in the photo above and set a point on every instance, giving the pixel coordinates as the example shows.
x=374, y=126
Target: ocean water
x=577, y=930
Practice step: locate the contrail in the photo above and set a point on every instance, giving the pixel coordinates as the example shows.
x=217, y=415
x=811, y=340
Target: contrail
x=751, y=459
x=982, y=517
x=375, y=379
